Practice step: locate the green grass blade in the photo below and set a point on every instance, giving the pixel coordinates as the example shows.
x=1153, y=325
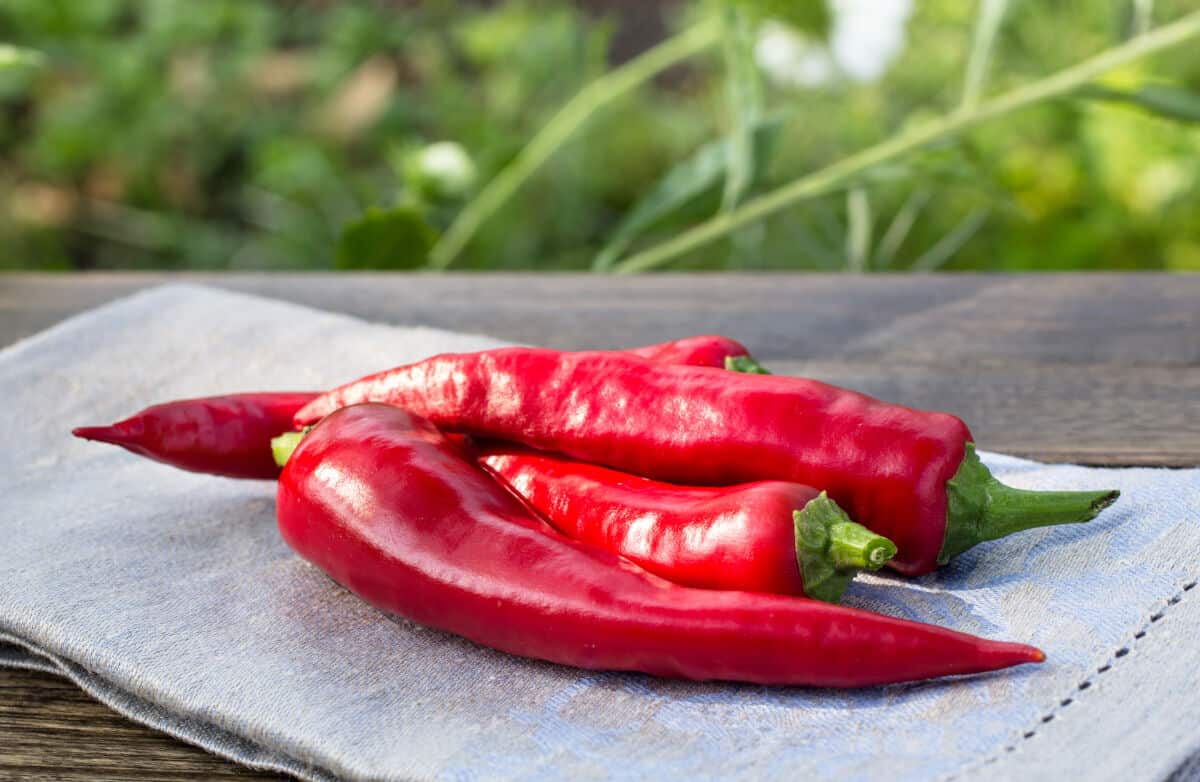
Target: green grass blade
x=1163, y=100
x=569, y=119
x=682, y=186
x=937, y=256
x=744, y=91
x=902, y=223
x=858, y=229
x=987, y=26
x=1056, y=85
x=1143, y=16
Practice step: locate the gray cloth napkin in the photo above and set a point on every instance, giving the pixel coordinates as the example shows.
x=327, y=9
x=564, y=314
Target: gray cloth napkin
x=170, y=597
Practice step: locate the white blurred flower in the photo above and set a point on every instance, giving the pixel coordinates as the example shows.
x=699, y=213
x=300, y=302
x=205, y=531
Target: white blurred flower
x=444, y=169
x=866, y=37
x=791, y=59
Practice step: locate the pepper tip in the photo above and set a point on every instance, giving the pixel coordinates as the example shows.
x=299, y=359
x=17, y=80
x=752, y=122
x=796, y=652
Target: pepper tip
x=102, y=433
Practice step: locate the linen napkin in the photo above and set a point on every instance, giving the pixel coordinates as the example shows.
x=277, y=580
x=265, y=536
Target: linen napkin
x=170, y=597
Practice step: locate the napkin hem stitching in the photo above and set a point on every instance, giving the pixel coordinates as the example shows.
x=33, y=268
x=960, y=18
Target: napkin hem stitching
x=1084, y=685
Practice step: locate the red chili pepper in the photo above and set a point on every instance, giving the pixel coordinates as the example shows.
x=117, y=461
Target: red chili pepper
x=909, y=475
x=708, y=350
x=230, y=435
x=222, y=435
x=768, y=536
x=378, y=499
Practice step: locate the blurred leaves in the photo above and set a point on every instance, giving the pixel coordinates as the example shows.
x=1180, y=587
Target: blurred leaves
x=234, y=134
x=17, y=57
x=988, y=20
x=937, y=255
x=1164, y=100
x=396, y=238
x=808, y=16
x=744, y=90
x=858, y=229
x=683, y=188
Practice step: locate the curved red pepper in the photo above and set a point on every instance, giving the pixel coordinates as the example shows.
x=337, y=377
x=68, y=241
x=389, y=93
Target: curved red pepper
x=378, y=499
x=705, y=350
x=230, y=435
x=768, y=536
x=221, y=435
x=907, y=474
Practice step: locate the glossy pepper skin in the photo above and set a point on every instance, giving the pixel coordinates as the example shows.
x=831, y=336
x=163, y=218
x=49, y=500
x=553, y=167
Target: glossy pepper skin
x=377, y=498
x=767, y=536
x=705, y=350
x=222, y=435
x=886, y=465
x=892, y=468
x=229, y=435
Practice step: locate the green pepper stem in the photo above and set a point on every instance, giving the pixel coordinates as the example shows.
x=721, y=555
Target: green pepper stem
x=1012, y=510
x=831, y=549
x=283, y=445
x=982, y=508
x=745, y=364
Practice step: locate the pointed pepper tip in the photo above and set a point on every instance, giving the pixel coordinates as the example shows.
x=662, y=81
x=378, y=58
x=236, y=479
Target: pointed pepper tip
x=102, y=434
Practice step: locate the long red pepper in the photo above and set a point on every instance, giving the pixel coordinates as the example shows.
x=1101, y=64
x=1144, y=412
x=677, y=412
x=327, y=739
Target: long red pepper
x=223, y=435
x=382, y=502
x=230, y=435
x=768, y=536
x=909, y=475
x=705, y=350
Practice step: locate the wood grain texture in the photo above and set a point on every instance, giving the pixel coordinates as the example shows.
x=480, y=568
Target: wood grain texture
x=1098, y=369
x=51, y=730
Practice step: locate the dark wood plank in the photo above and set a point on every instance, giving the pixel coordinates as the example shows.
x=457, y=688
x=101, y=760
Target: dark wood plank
x=50, y=729
x=566, y=311
x=1149, y=319
x=1100, y=414
x=1098, y=369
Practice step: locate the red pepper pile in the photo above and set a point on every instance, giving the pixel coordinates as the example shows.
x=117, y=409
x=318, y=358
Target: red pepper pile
x=643, y=510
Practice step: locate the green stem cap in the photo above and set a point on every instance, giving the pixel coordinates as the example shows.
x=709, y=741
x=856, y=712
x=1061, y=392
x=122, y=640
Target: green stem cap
x=982, y=508
x=745, y=364
x=283, y=445
x=831, y=549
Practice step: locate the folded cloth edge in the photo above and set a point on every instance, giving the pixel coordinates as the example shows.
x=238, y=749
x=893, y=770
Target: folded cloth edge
x=204, y=735
x=25, y=656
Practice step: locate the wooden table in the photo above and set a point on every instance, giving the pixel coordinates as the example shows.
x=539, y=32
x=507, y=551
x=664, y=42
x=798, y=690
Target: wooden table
x=1099, y=369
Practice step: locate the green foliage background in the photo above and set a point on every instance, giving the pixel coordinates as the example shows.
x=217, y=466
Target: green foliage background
x=245, y=134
